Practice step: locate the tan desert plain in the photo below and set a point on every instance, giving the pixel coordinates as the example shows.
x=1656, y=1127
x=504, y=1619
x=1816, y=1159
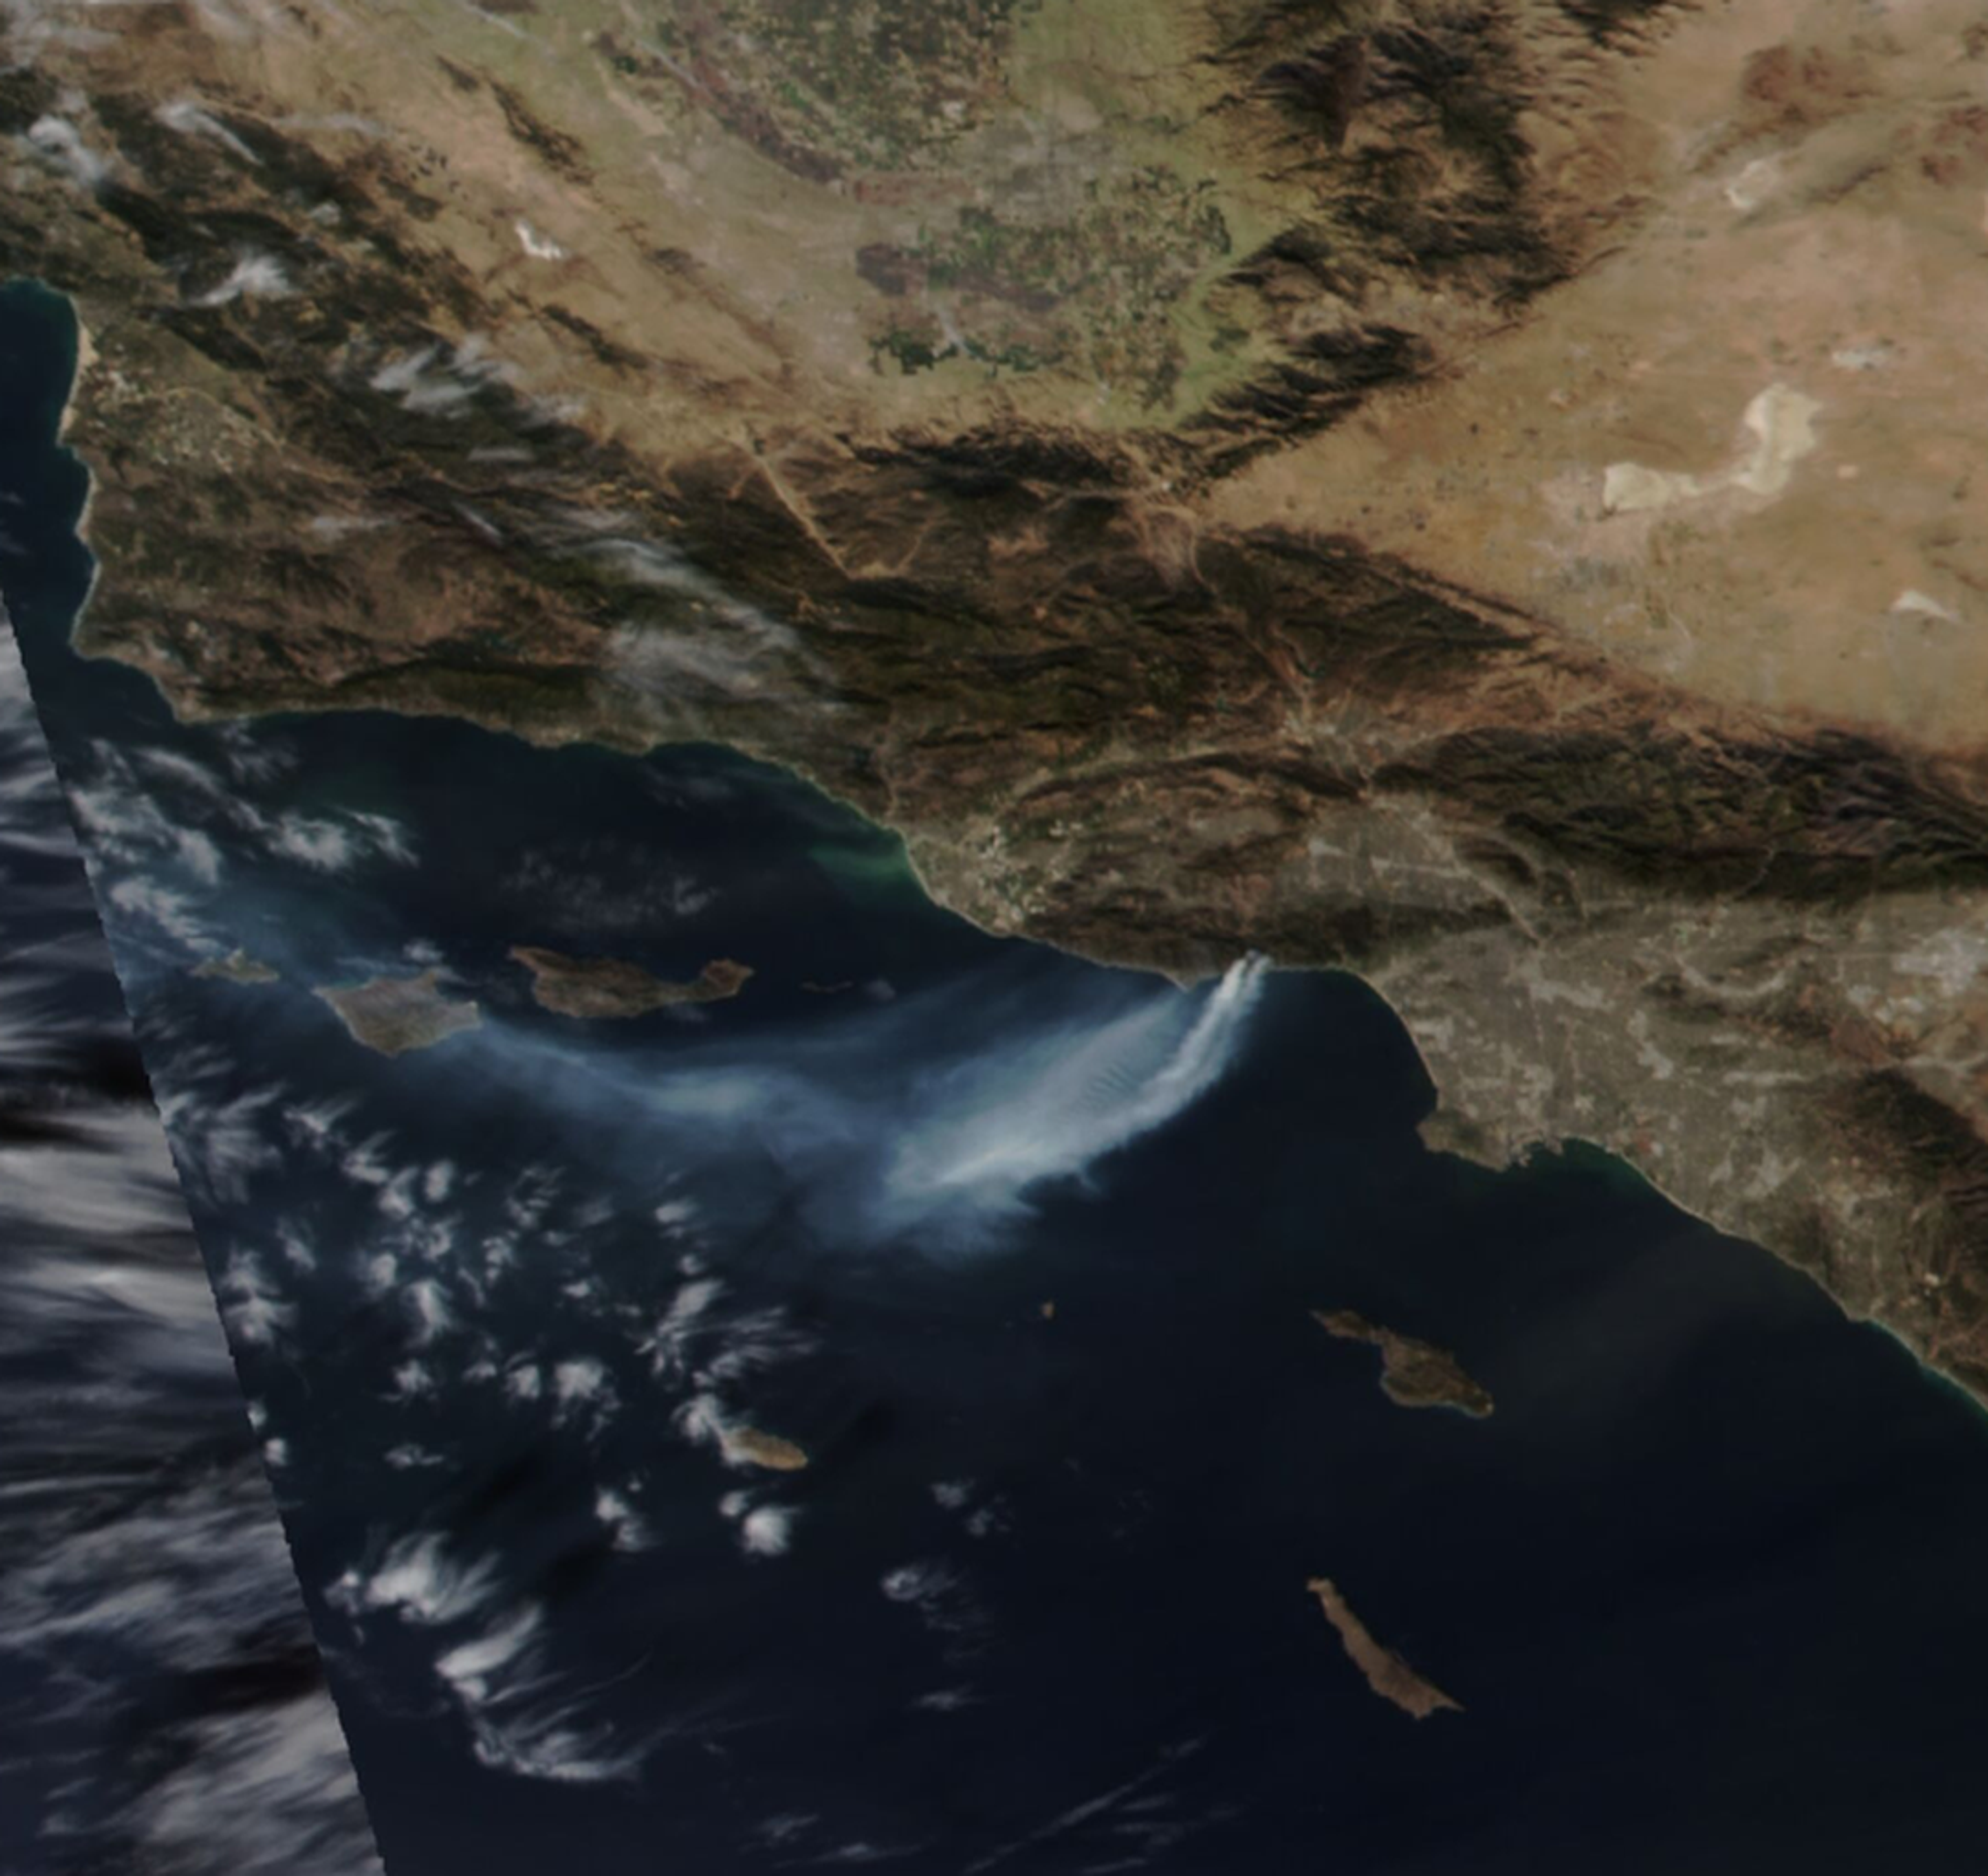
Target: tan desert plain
x=1487, y=493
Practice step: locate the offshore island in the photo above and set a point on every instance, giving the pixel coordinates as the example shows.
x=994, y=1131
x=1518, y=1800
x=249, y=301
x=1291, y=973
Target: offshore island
x=1389, y=1676
x=392, y=1016
x=238, y=967
x=749, y=1446
x=612, y=987
x=1485, y=502
x=1413, y=1374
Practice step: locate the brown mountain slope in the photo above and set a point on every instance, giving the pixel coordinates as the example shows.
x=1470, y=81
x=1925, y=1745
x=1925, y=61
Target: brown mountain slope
x=1481, y=493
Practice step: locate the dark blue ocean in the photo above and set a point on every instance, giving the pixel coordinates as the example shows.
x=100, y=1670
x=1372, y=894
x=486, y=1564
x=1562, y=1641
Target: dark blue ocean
x=1022, y=1253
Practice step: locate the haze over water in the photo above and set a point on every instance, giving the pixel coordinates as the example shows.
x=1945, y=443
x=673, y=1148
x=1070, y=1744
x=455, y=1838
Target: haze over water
x=1022, y=1253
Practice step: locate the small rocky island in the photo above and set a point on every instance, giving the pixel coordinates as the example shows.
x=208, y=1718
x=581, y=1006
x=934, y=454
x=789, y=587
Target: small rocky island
x=1389, y=1676
x=239, y=967
x=394, y=1015
x=1413, y=1374
x=748, y=1446
x=590, y=988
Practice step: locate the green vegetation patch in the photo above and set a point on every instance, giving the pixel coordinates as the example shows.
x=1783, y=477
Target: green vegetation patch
x=1098, y=291
x=874, y=85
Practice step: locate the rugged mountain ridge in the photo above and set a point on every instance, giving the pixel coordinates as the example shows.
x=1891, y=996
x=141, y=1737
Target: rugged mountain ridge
x=474, y=407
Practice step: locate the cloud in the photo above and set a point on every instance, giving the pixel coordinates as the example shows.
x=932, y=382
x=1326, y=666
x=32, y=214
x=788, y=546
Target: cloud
x=165, y=827
x=539, y=247
x=221, y=1141
x=423, y=1580
x=500, y=1673
x=190, y=119
x=947, y=1700
x=619, y=1516
x=61, y=142
x=953, y=1155
x=33, y=25
x=923, y=1584
x=1015, y=1096
x=253, y=276
x=340, y=123
x=582, y=1386
x=702, y=1421
x=437, y=380
x=599, y=887
x=670, y=662
x=362, y=1163
x=767, y=1531
x=519, y=1722
x=336, y=844
x=198, y=854
x=186, y=1582
x=1135, y=1829
x=315, y=1125
x=532, y=1196
x=433, y=1316
x=751, y=1341
x=674, y=1216
x=271, y=1796
x=171, y=912
x=148, y=1594
x=413, y=1381
x=256, y=1314
x=939, y=1595
x=668, y=1346
x=105, y=1180
x=686, y=637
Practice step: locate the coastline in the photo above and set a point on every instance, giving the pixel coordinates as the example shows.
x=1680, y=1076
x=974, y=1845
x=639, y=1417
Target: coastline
x=83, y=356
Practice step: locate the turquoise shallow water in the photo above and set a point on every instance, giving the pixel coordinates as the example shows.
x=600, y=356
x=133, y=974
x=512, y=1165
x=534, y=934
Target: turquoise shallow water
x=1706, y=1584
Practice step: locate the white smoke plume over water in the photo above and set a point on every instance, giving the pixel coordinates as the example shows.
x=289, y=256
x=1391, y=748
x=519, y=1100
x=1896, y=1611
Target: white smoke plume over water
x=951, y=1153
x=1053, y=1108
x=940, y=1117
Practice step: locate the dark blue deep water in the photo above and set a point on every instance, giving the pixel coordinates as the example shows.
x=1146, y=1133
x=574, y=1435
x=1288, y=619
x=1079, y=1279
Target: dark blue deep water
x=1709, y=1584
